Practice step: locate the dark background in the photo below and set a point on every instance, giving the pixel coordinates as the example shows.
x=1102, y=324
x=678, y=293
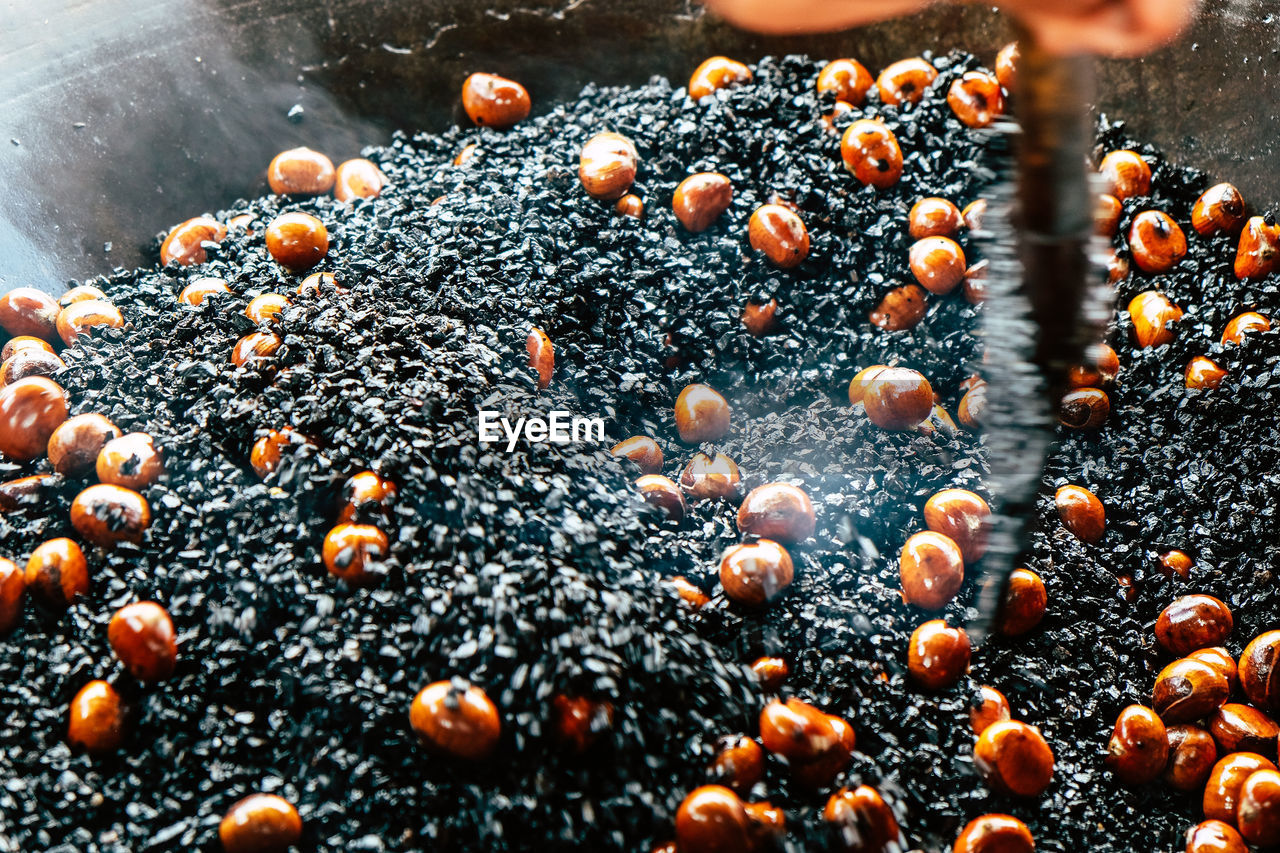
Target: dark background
x=119, y=119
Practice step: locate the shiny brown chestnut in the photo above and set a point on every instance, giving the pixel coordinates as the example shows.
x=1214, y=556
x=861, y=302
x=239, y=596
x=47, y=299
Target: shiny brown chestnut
x=771, y=672
x=962, y=516
x=1221, y=660
x=300, y=171
x=738, y=764
x=708, y=477
x=871, y=152
x=29, y=361
x=578, y=722
x=755, y=573
x=316, y=282
x=366, y=494
x=23, y=342
x=143, y=638
x=642, y=450
x=297, y=241
x=31, y=312
x=717, y=72
x=712, y=819
x=25, y=492
x=931, y=569
x=1084, y=408
x=987, y=706
x=897, y=398
x=1007, y=65
x=862, y=822
x=938, y=655
x=30, y=410
x=542, y=355
x=195, y=293
x=131, y=460
x=973, y=214
x=858, y=385
x=1139, y=746
x=1258, y=812
x=689, y=593
x=1204, y=373
x=1193, y=622
x=97, y=721
x=1258, y=678
x=1117, y=267
x=1243, y=728
x=107, y=515
x=266, y=452
x=976, y=98
x=80, y=293
x=817, y=746
x=57, y=573
x=972, y=411
x=185, y=244
x=1024, y=603
x=13, y=588
x=995, y=833
x=974, y=286
x=1152, y=314
x=938, y=264
x=260, y=823
x=778, y=511
x=901, y=308
x=1126, y=174
x=266, y=307
x=493, y=101
x=350, y=549
x=464, y=156
x=1258, y=252
x=1179, y=563
x=663, y=493
x=779, y=235
x=1214, y=836
x=1187, y=690
x=1222, y=791
x=702, y=414
x=1244, y=324
x=1102, y=369
x=460, y=721
x=848, y=79
x=760, y=319
x=700, y=199
x=1014, y=759
x=607, y=166
x=1219, y=209
x=78, y=318
x=905, y=81
x=254, y=348
x=1081, y=513
x=358, y=178
x=1106, y=215
x=1192, y=754
x=1156, y=242
x=630, y=205
x=934, y=217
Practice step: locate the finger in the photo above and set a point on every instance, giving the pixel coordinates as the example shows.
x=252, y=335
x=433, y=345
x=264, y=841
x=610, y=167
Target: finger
x=1120, y=29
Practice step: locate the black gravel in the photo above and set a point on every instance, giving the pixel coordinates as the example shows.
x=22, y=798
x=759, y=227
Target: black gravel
x=541, y=571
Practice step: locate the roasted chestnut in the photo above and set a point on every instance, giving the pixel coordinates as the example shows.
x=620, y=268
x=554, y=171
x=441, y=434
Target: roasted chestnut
x=1156, y=242
x=13, y=587
x=756, y=573
x=1258, y=812
x=709, y=477
x=1244, y=324
x=1219, y=208
x=349, y=549
x=57, y=573
x=934, y=217
x=542, y=355
x=1243, y=728
x=1126, y=174
x=131, y=460
x=642, y=450
x=1014, y=759
x=1204, y=372
x=1139, y=747
x=760, y=319
x=963, y=517
x=1222, y=792
x=1193, y=622
x=712, y=819
x=107, y=515
x=255, y=347
x=771, y=672
x=297, y=241
x=30, y=312
x=738, y=765
x=458, y=720
x=700, y=199
x=1214, y=836
x=266, y=307
x=862, y=822
x=195, y=293
x=30, y=410
x=897, y=398
x=578, y=722
x=778, y=511
x=976, y=98
x=987, y=706
x=143, y=638
x=779, y=235
x=29, y=361
x=630, y=205
x=185, y=244
x=847, y=79
x=1258, y=678
x=702, y=414
x=905, y=81
x=664, y=494
x=1192, y=754
x=931, y=569
x=97, y=719
x=1258, y=252
x=1081, y=513
x=901, y=308
x=358, y=178
x=607, y=166
x=1084, y=408
x=938, y=655
x=260, y=823
x=995, y=833
x=1187, y=690
x=871, y=152
x=718, y=72
x=493, y=101
x=75, y=321
x=301, y=172
x=1152, y=314
x=938, y=263
x=1024, y=603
